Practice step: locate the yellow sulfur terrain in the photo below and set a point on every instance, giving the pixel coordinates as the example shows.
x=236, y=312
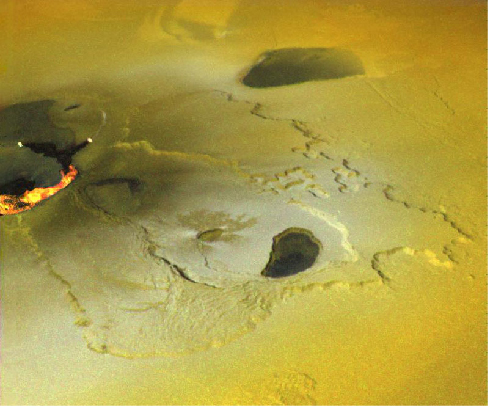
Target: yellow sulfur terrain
x=276, y=202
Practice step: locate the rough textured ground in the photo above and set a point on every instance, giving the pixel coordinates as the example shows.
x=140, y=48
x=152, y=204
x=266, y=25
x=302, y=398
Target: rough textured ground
x=141, y=283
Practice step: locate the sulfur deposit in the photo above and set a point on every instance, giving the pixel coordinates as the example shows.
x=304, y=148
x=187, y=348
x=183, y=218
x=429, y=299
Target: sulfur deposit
x=269, y=202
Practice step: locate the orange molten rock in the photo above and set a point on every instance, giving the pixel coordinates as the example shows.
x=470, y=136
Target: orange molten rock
x=12, y=204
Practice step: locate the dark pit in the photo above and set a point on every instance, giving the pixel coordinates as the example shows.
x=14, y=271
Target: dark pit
x=22, y=169
x=49, y=149
x=288, y=66
x=293, y=251
x=17, y=187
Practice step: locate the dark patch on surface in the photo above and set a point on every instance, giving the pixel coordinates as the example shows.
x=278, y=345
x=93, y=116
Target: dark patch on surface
x=294, y=250
x=210, y=235
x=49, y=149
x=21, y=166
x=17, y=187
x=134, y=184
x=290, y=66
x=72, y=107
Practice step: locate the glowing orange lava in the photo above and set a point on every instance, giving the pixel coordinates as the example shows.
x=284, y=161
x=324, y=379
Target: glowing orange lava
x=12, y=204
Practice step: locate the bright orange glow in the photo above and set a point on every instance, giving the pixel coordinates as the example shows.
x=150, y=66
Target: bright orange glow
x=12, y=204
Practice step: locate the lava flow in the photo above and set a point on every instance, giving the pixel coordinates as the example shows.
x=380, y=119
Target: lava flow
x=13, y=204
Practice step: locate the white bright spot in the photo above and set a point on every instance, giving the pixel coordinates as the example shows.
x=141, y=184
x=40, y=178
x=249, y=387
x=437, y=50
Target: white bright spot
x=20, y=144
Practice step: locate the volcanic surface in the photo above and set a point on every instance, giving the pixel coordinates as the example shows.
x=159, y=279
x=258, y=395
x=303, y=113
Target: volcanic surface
x=275, y=202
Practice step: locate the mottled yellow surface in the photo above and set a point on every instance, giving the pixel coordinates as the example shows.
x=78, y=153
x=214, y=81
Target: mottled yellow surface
x=404, y=187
